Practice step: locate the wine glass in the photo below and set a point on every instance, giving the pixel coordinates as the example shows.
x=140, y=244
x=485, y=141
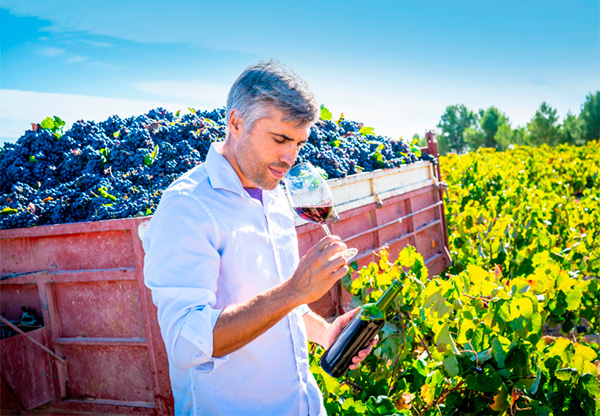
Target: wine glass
x=311, y=197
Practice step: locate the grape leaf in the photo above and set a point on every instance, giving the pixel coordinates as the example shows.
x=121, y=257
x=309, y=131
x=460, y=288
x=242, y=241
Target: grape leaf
x=367, y=130
x=536, y=384
x=516, y=357
x=47, y=123
x=325, y=113
x=443, y=338
x=585, y=352
x=566, y=374
x=451, y=365
x=500, y=399
x=524, y=306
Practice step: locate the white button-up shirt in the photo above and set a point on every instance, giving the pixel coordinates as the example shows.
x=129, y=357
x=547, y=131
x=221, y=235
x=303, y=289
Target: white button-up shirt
x=210, y=245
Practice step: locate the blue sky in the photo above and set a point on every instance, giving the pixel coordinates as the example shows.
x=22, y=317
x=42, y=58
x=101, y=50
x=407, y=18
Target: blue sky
x=393, y=65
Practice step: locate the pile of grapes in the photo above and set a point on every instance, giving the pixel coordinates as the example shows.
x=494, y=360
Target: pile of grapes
x=118, y=168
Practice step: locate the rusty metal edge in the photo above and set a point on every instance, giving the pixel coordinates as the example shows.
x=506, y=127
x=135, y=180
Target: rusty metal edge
x=125, y=224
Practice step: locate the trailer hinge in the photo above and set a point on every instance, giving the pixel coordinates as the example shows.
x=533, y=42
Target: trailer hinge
x=441, y=185
x=378, y=200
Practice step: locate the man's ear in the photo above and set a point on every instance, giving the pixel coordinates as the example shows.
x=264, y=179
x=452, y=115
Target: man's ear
x=235, y=124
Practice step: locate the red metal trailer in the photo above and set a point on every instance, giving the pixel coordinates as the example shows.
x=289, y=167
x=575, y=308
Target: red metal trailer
x=99, y=349
x=85, y=281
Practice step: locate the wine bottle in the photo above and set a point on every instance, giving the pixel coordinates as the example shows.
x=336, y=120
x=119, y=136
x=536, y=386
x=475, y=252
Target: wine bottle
x=358, y=333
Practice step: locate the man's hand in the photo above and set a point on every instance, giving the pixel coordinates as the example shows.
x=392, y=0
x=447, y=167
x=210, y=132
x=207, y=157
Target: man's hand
x=319, y=269
x=336, y=327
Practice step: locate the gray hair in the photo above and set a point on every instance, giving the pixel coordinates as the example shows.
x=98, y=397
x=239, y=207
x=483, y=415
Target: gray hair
x=271, y=83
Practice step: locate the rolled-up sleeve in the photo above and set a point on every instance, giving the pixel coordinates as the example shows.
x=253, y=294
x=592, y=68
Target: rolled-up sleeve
x=303, y=309
x=181, y=268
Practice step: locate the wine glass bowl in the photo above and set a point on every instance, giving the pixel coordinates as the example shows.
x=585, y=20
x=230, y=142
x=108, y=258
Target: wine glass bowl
x=311, y=197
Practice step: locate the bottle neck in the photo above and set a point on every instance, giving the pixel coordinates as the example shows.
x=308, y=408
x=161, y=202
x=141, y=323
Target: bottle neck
x=384, y=302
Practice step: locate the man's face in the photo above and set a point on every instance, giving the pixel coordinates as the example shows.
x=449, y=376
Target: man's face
x=264, y=155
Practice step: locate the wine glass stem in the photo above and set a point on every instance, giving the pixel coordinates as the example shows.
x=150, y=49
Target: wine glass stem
x=349, y=253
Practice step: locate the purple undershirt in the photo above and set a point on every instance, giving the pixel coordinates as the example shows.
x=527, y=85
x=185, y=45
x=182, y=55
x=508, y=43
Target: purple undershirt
x=255, y=193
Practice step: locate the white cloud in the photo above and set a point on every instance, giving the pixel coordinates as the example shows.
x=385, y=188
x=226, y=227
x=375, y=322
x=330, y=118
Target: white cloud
x=18, y=109
x=76, y=59
x=54, y=52
x=51, y=51
x=99, y=44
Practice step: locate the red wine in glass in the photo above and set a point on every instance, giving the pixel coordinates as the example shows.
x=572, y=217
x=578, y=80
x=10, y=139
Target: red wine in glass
x=311, y=197
x=314, y=214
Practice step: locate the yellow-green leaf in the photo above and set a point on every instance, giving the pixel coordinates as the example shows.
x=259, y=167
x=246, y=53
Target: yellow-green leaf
x=367, y=130
x=47, y=123
x=325, y=113
x=587, y=353
x=524, y=307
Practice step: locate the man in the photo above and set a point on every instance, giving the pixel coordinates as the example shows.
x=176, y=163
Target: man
x=222, y=263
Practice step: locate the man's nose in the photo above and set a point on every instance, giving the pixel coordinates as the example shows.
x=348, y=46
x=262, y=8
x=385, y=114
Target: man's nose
x=290, y=155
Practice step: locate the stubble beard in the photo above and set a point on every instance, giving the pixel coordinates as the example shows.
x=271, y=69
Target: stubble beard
x=250, y=166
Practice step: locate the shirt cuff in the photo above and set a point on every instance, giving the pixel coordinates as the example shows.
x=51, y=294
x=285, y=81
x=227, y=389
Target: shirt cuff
x=196, y=340
x=303, y=309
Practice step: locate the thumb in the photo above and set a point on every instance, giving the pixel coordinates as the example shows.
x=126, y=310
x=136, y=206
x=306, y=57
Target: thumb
x=347, y=317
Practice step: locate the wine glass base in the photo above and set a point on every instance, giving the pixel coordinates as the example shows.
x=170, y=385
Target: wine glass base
x=349, y=253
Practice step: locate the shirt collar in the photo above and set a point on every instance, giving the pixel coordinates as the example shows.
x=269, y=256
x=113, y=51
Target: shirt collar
x=223, y=176
x=220, y=172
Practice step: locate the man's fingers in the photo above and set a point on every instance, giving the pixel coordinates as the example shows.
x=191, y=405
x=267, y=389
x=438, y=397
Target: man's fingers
x=366, y=351
x=347, y=317
x=326, y=255
x=326, y=241
x=341, y=272
x=362, y=354
x=333, y=252
x=360, y=357
x=336, y=266
x=353, y=312
x=330, y=244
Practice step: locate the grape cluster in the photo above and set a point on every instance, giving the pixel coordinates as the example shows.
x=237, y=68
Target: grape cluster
x=118, y=168
x=341, y=150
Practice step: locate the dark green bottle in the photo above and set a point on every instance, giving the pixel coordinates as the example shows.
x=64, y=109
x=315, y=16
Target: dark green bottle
x=358, y=333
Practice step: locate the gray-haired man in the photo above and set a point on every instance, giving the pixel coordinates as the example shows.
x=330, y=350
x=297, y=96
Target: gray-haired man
x=222, y=263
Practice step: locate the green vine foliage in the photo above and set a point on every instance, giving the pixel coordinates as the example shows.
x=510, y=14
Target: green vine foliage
x=527, y=209
x=471, y=341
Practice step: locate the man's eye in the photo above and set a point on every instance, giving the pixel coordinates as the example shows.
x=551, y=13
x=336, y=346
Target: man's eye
x=279, y=141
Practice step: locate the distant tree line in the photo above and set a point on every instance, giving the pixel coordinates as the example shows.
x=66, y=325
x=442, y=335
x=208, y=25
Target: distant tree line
x=463, y=130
